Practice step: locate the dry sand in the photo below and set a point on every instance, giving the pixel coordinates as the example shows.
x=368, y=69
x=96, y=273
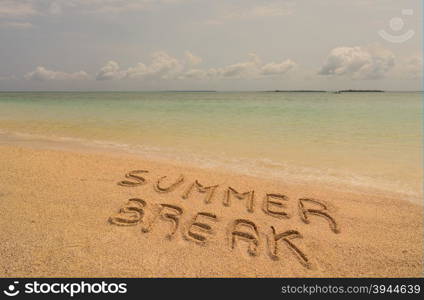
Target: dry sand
x=56, y=208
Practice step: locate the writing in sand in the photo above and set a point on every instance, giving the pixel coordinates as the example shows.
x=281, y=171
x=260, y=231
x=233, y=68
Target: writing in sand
x=200, y=228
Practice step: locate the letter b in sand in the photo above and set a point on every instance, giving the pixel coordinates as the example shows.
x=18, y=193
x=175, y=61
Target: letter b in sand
x=131, y=214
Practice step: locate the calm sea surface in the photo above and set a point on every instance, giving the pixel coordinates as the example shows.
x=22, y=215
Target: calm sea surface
x=365, y=139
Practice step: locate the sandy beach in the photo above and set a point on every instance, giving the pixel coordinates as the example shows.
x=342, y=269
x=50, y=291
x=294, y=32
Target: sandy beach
x=76, y=214
x=211, y=139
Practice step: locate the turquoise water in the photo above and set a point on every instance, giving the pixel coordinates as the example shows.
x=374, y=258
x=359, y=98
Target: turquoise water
x=367, y=139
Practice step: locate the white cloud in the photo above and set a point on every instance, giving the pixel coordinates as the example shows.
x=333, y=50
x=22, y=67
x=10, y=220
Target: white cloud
x=43, y=74
x=252, y=68
x=17, y=25
x=246, y=69
x=133, y=72
x=194, y=74
x=16, y=9
x=277, y=9
x=8, y=77
x=192, y=59
x=273, y=9
x=13, y=9
x=110, y=71
x=409, y=67
x=103, y=6
x=371, y=62
x=116, y=6
x=278, y=68
x=242, y=69
x=413, y=66
x=164, y=66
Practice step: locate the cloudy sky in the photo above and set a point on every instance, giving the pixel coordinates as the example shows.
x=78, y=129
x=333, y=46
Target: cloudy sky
x=213, y=45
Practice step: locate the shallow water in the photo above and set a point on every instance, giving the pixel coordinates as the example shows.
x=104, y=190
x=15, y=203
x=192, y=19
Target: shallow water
x=366, y=139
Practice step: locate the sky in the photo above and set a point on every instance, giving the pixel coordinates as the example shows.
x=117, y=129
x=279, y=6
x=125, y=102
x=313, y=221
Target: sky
x=237, y=45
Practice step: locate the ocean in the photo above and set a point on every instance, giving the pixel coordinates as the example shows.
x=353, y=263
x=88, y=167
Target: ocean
x=370, y=140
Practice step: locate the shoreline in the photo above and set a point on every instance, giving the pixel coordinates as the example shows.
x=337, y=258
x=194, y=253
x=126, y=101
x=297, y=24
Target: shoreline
x=333, y=178
x=62, y=211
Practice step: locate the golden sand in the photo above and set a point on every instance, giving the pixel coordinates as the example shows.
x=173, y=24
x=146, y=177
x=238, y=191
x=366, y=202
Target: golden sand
x=74, y=214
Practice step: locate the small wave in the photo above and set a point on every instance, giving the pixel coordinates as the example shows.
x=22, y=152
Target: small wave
x=260, y=167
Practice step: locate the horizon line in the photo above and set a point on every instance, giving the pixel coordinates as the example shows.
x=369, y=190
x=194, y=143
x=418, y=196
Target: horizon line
x=206, y=91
